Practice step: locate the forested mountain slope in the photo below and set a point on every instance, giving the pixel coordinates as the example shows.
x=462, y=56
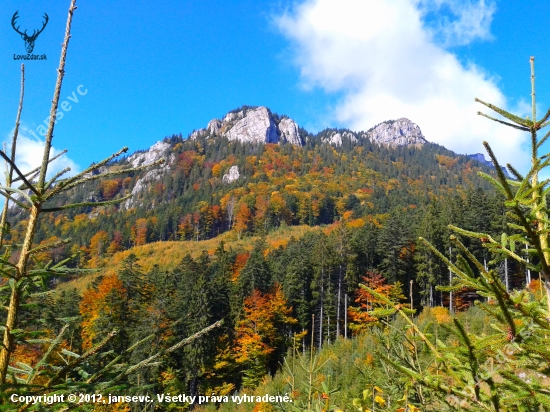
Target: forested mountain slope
x=254, y=171
x=270, y=230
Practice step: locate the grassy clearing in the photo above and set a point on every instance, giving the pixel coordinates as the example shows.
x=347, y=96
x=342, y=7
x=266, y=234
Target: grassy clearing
x=167, y=255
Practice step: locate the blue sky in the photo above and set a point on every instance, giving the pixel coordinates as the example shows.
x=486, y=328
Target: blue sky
x=152, y=69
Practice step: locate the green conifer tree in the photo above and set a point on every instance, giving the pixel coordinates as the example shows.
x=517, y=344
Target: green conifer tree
x=506, y=368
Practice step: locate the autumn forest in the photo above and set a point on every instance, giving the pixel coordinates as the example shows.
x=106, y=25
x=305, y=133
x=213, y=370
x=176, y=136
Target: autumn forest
x=324, y=272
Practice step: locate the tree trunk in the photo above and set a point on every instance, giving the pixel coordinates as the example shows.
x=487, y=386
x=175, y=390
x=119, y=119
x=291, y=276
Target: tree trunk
x=346, y=316
x=321, y=311
x=15, y=297
x=506, y=274
x=339, y=302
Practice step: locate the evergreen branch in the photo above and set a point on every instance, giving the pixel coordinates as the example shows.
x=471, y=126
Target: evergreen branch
x=472, y=358
x=7, y=263
x=57, y=175
x=535, y=241
x=399, y=308
x=49, y=245
x=118, y=358
x=8, y=275
x=61, y=271
x=19, y=192
x=513, y=170
x=77, y=361
x=14, y=200
x=525, y=182
x=146, y=362
x=66, y=260
x=495, y=183
x=537, y=187
x=516, y=119
x=21, y=175
x=541, y=122
x=89, y=170
x=36, y=170
x=445, y=260
x=469, y=233
x=89, y=204
x=499, y=171
x=495, y=285
x=469, y=254
x=519, y=305
x=109, y=174
x=541, y=141
x=46, y=355
x=525, y=129
x=527, y=179
x=433, y=383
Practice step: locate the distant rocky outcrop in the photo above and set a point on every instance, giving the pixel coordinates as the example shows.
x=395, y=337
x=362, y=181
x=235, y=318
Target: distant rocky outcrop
x=257, y=125
x=401, y=132
x=335, y=138
x=214, y=126
x=156, y=152
x=479, y=157
x=290, y=132
x=231, y=175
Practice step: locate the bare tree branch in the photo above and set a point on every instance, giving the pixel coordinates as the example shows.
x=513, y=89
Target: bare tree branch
x=9, y=175
x=55, y=100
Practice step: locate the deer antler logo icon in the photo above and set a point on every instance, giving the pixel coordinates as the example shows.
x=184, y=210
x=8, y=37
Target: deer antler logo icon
x=29, y=40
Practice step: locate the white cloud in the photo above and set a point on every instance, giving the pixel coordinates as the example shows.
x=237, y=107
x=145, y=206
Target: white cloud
x=390, y=59
x=458, y=22
x=29, y=152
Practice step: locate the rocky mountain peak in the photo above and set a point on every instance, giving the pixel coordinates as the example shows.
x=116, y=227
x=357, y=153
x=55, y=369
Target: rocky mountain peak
x=401, y=132
x=256, y=126
x=253, y=124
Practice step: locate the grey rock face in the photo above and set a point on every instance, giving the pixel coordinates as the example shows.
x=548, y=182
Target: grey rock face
x=155, y=152
x=253, y=125
x=401, y=132
x=232, y=175
x=158, y=151
x=233, y=116
x=214, y=127
x=336, y=138
x=197, y=133
x=257, y=126
x=289, y=131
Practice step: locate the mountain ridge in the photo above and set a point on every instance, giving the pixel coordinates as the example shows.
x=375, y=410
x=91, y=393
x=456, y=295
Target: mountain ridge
x=210, y=184
x=258, y=124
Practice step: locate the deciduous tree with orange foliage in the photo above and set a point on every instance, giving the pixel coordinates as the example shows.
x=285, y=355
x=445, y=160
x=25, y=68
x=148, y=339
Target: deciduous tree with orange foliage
x=99, y=315
x=370, y=308
x=98, y=246
x=259, y=333
x=242, y=219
